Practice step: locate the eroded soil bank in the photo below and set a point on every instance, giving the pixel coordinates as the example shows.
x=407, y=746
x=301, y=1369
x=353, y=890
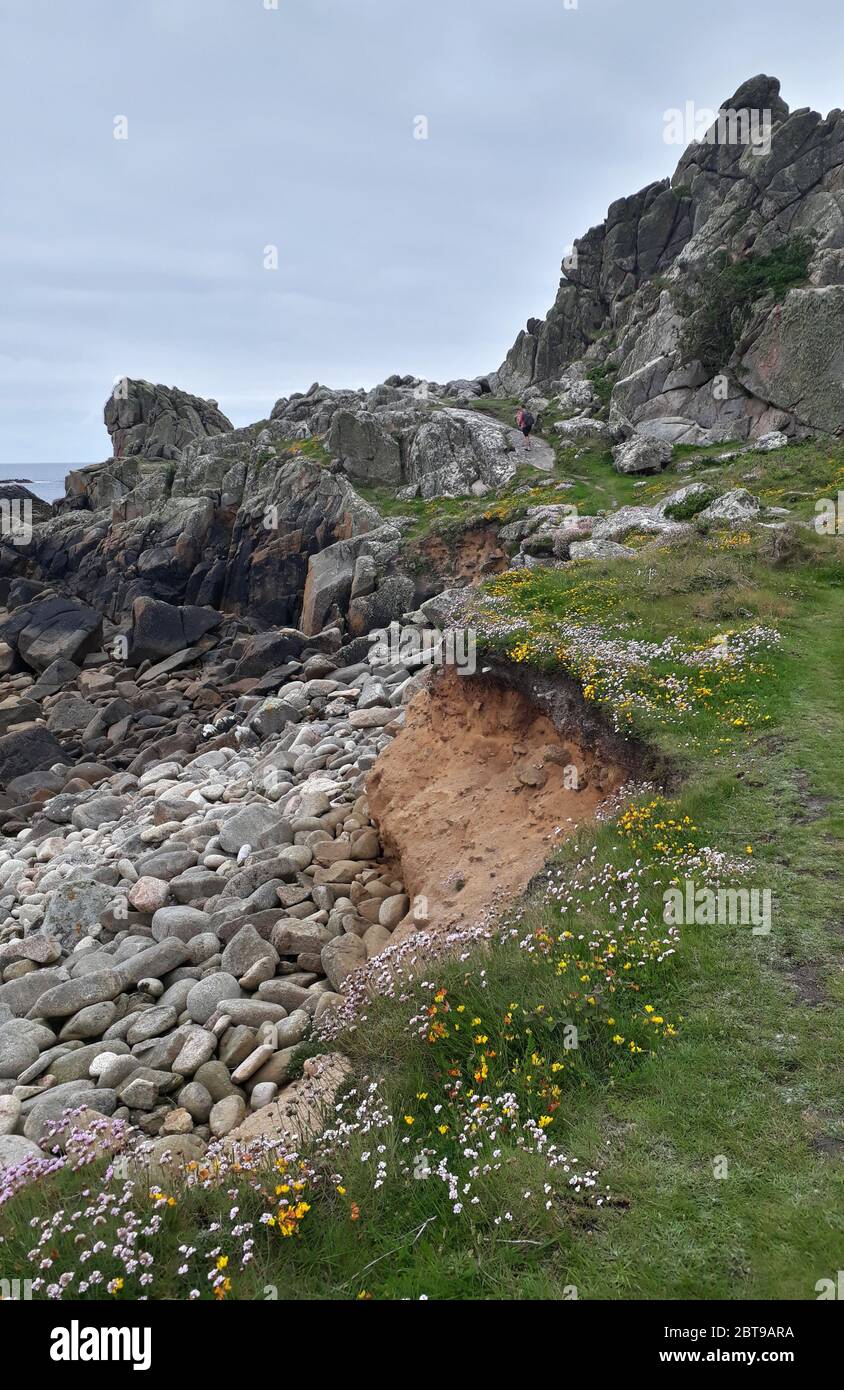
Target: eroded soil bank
x=476, y=790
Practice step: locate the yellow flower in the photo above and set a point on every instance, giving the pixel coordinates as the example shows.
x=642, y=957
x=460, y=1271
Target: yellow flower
x=545, y=1121
x=443, y=1129
x=222, y=1261
x=421, y=1095
x=116, y=1284
x=409, y=1119
x=748, y=849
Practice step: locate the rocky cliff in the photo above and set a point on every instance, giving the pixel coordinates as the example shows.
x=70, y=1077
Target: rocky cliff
x=626, y=302
x=705, y=308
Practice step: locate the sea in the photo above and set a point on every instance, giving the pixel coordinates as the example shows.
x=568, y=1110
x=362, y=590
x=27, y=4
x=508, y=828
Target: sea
x=46, y=480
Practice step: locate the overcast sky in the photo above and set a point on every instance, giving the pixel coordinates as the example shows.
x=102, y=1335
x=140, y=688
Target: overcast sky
x=251, y=126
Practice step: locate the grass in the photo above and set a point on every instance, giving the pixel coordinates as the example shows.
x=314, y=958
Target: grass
x=312, y=448
x=710, y=1154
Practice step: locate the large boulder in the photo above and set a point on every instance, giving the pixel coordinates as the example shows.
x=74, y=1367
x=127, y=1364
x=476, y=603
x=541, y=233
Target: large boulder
x=457, y=448
x=641, y=454
x=74, y=908
x=68, y=998
x=161, y=629
x=28, y=750
x=797, y=361
x=15, y=1148
x=582, y=429
x=369, y=453
x=158, y=421
x=267, y=650
x=329, y=583
x=52, y=627
x=739, y=505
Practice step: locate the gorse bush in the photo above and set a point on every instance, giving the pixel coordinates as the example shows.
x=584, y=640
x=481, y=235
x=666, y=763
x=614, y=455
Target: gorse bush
x=721, y=299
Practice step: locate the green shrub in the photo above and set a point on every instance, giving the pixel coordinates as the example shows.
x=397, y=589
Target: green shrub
x=723, y=296
x=691, y=505
x=602, y=382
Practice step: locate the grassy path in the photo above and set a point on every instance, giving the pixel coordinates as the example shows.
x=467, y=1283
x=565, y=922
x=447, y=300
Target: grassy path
x=756, y=1078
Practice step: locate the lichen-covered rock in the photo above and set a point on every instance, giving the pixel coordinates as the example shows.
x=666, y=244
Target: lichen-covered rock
x=724, y=196
x=797, y=361
x=641, y=454
x=158, y=421
x=457, y=448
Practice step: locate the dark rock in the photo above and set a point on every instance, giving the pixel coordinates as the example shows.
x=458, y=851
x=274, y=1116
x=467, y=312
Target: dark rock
x=52, y=628
x=57, y=675
x=268, y=650
x=161, y=629
x=28, y=750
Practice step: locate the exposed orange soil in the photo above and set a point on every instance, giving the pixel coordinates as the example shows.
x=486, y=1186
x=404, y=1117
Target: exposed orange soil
x=474, y=792
x=471, y=557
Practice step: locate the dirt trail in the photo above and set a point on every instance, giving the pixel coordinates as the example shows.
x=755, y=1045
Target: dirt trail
x=475, y=791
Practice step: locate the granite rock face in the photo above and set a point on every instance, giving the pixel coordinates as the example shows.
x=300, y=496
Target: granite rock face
x=158, y=421
x=271, y=523
x=761, y=176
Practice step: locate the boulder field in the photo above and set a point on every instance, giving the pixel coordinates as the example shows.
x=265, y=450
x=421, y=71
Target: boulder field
x=190, y=867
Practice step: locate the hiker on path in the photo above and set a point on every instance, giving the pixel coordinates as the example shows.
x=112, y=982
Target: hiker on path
x=525, y=422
